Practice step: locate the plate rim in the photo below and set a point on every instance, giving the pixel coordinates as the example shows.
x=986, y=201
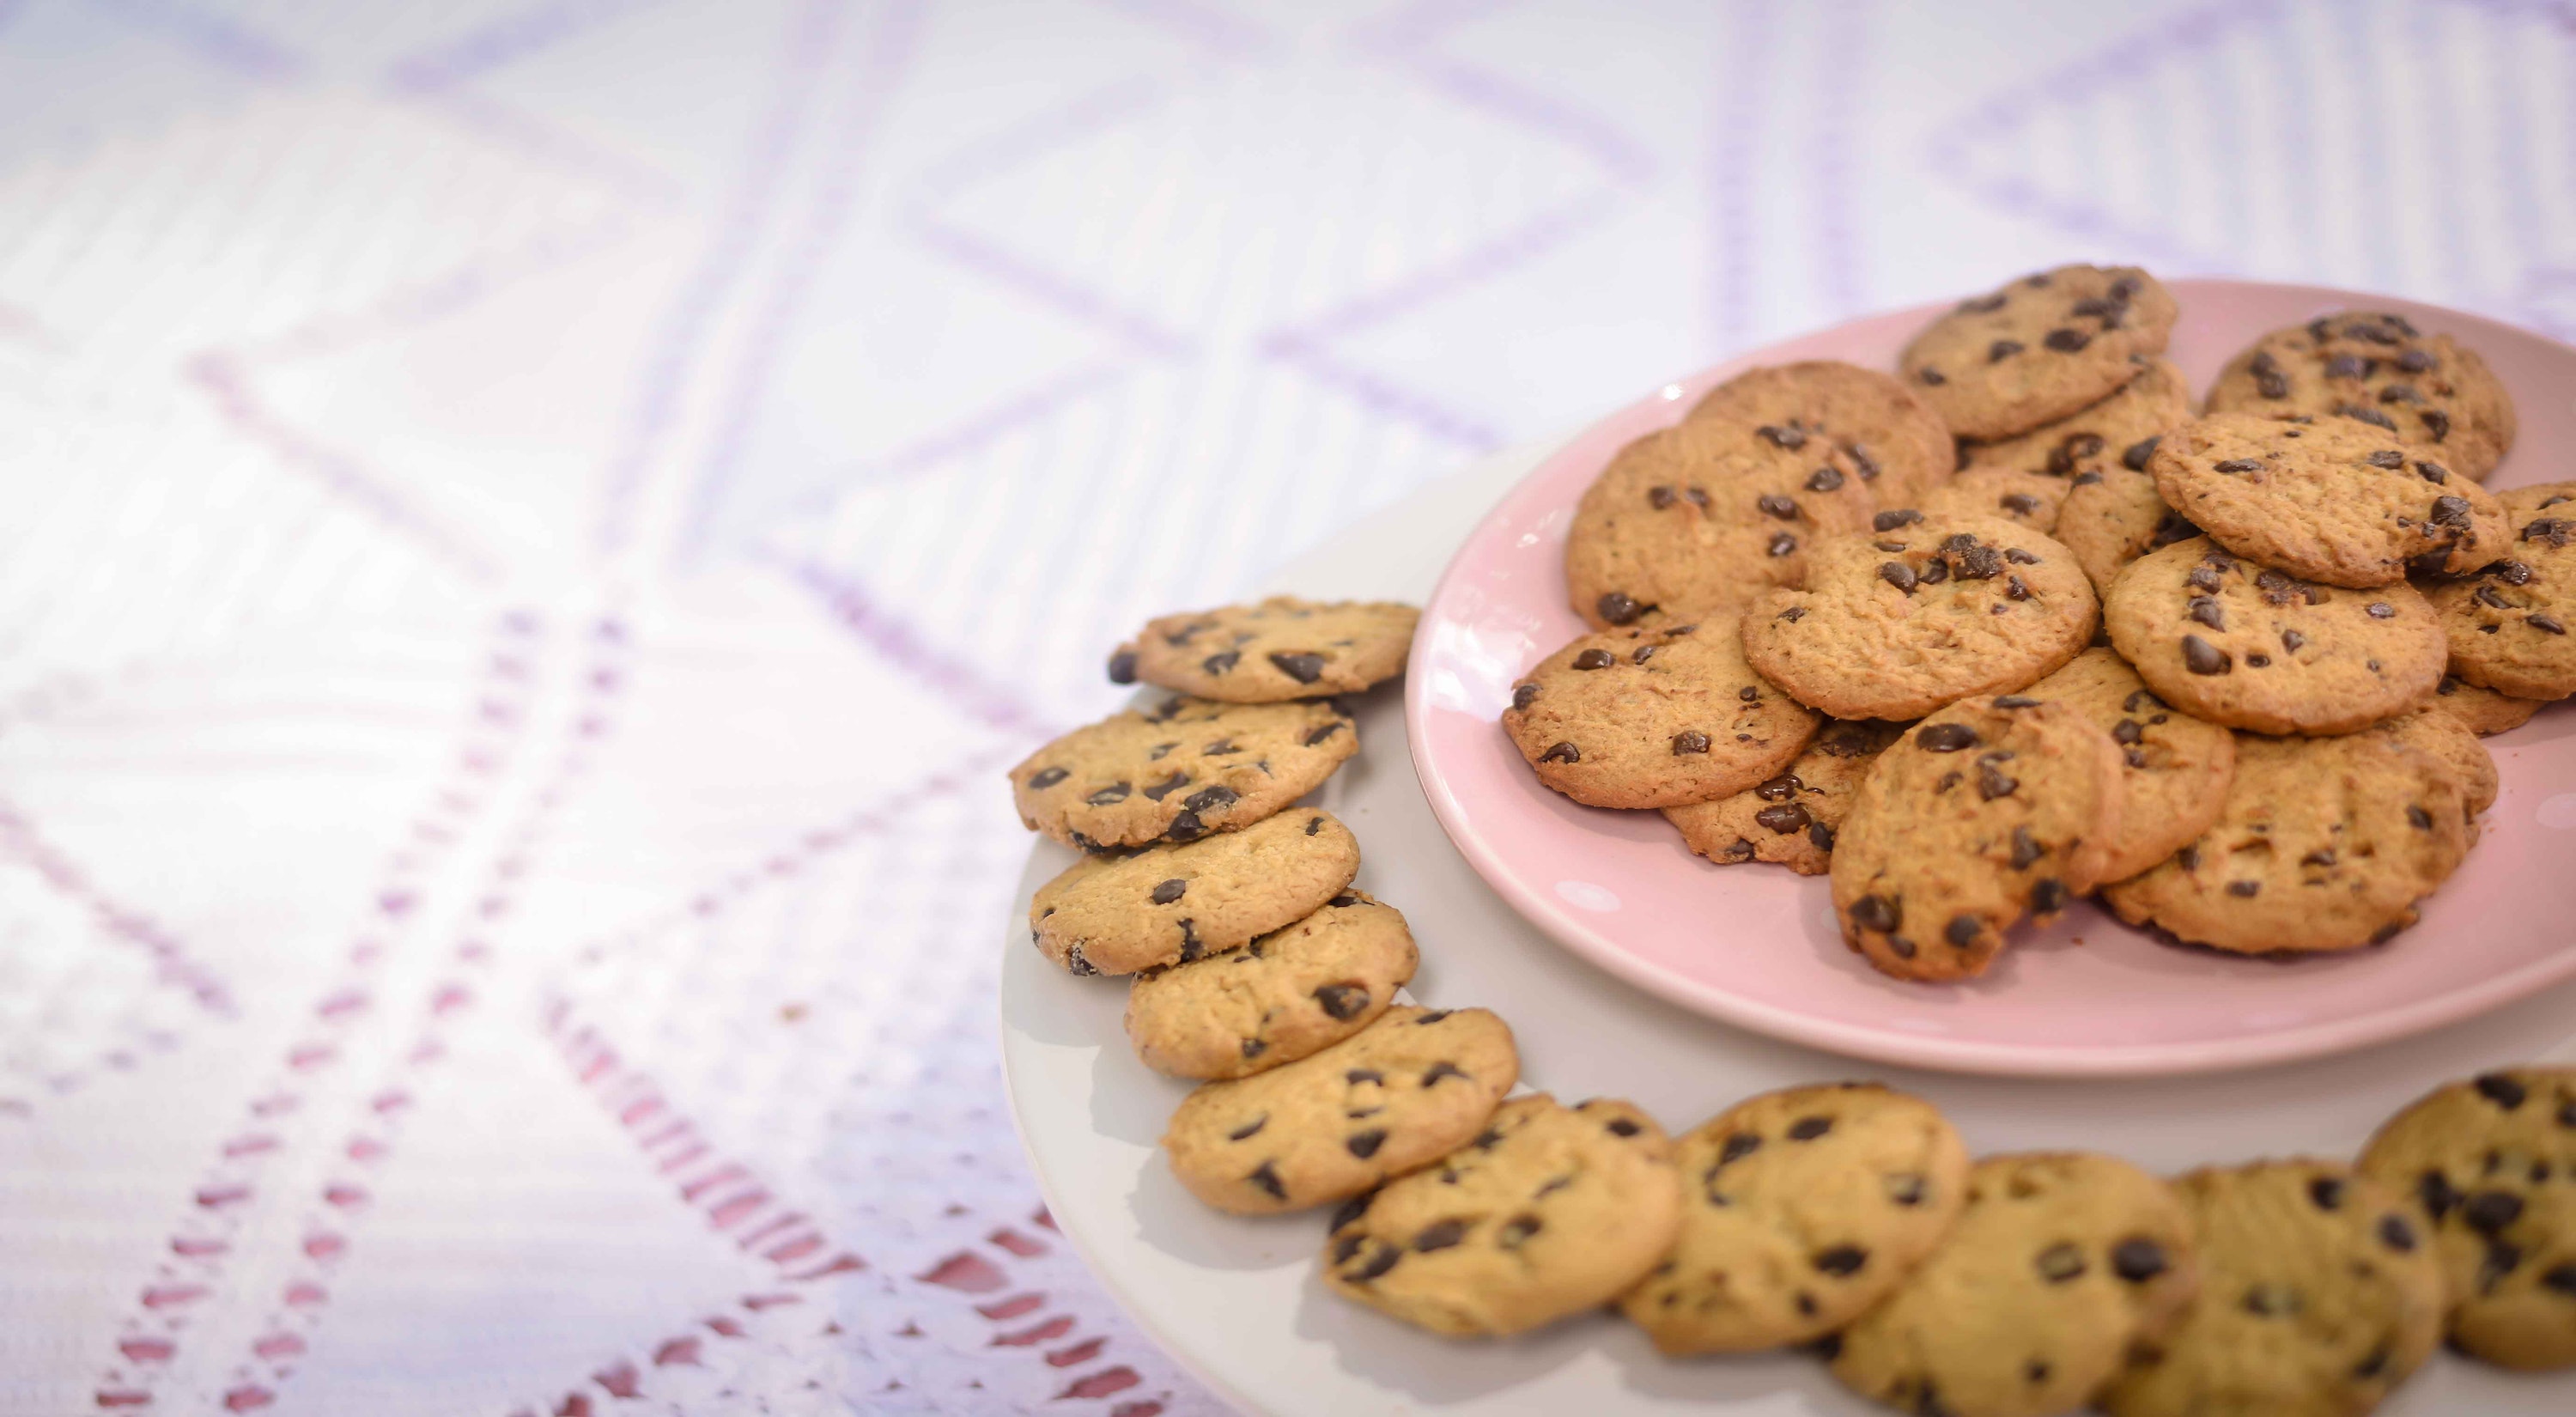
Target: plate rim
x=1579, y=937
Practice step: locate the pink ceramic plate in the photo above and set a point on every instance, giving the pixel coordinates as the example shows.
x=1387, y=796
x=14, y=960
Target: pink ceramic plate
x=1756, y=946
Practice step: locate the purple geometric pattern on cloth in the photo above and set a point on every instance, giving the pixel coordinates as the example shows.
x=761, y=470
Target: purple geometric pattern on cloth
x=503, y=831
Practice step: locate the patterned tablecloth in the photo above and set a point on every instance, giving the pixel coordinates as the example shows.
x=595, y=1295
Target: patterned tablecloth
x=534, y=526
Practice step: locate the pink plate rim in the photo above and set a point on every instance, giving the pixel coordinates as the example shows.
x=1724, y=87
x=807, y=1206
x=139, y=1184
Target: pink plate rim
x=1887, y=1045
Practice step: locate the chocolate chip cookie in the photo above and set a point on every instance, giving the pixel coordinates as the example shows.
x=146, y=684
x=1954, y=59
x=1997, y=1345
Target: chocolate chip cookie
x=2111, y=518
x=1991, y=809
x=1281, y=648
x=2509, y=625
x=2493, y=1161
x=1284, y=996
x=2097, y=438
x=2430, y=391
x=2325, y=844
x=1697, y=519
x=1921, y=611
x=2060, y=1262
x=2028, y=499
x=1401, y=1093
x=1790, y=819
x=1179, y=769
x=1801, y=1209
x=1891, y=437
x=2318, y=1296
x=2484, y=711
x=2039, y=349
x=1654, y=717
x=2174, y=768
x=1119, y=913
x=2240, y=644
x=1551, y=1211
x=2333, y=501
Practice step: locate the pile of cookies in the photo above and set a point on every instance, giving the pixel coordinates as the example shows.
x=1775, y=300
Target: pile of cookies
x=2015, y=625
x=1846, y=1217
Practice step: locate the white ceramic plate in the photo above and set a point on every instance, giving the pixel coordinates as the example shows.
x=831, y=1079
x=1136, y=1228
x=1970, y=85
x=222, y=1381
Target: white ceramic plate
x=1237, y=1302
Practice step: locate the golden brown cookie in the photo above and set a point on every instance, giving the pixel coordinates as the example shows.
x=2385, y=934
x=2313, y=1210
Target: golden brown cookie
x=1179, y=769
x=1654, y=717
x=1408, y=1089
x=2485, y=712
x=2099, y=437
x=1790, y=819
x=2060, y=1263
x=2325, y=844
x=2512, y=625
x=1991, y=809
x=1699, y=518
x=2038, y=349
x=1119, y=913
x=2429, y=390
x=1919, y=612
x=1290, y=993
x=1891, y=437
x=2493, y=1161
x=2334, y=502
x=1551, y=1211
x=1280, y=648
x=1801, y=1209
x=2236, y=643
x=2174, y=768
x=2317, y=1298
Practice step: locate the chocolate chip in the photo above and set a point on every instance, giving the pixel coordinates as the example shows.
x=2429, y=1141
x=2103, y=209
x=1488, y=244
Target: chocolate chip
x=1221, y=661
x=2366, y=414
x=1524, y=695
x=1810, y=1128
x=1562, y=753
x=1963, y=930
x=1900, y=947
x=1821, y=836
x=2137, y=1260
x=2548, y=624
x=2048, y=896
x=2291, y=640
x=1906, y=1188
x=2015, y=701
x=1595, y=659
x=1660, y=498
x=1992, y=783
x=1899, y=575
x=2327, y=1192
x=1115, y=792
x=2437, y=423
x=1304, y=668
x=2510, y=572
x=1876, y=912
x=1774, y=505
x=2490, y=1211
x=2503, y=1091
x=1432, y=1017
x=1618, y=608
x=1208, y=799
x=2015, y=589
x=1378, y=1264
x=1824, y=479
x=2416, y=361
x=2348, y=366
x=1793, y=614
x=1737, y=1147
x=1075, y=964
x=1782, y=437
x=1934, y=572
x=1783, y=820
x=1749, y=694
x=1314, y=825
x=1248, y=1129
x=1365, y=1144
x=2201, y=657
x=2396, y=1234
x=2059, y=1263
x=1891, y=520
x=2240, y=465
x=1977, y=563
x=1842, y=1259
x=2205, y=609
x=1517, y=1230
x=2002, y=350
x=1342, y=1001
x=1045, y=778
x=2203, y=578
x=2021, y=503
x=1169, y=891
x=1318, y=735
x=1443, y=1069
x=1930, y=375
x=1439, y=1235
x=1622, y=1127
x=2562, y=1279
x=2501, y=1260
x=2438, y=1195
x=2245, y=888
x=2025, y=851
x=2067, y=341
x=2269, y=1299
x=1781, y=543
x=2372, y=1364
x=1268, y=1180
x=1946, y=737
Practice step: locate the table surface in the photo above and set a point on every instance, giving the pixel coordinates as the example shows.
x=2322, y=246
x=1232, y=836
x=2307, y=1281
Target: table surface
x=1239, y=1299
x=536, y=525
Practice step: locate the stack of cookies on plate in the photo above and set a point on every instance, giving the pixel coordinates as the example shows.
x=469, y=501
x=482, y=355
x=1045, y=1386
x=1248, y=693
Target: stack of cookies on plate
x=2015, y=625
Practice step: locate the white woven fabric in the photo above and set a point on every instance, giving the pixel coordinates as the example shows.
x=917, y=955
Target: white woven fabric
x=534, y=527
